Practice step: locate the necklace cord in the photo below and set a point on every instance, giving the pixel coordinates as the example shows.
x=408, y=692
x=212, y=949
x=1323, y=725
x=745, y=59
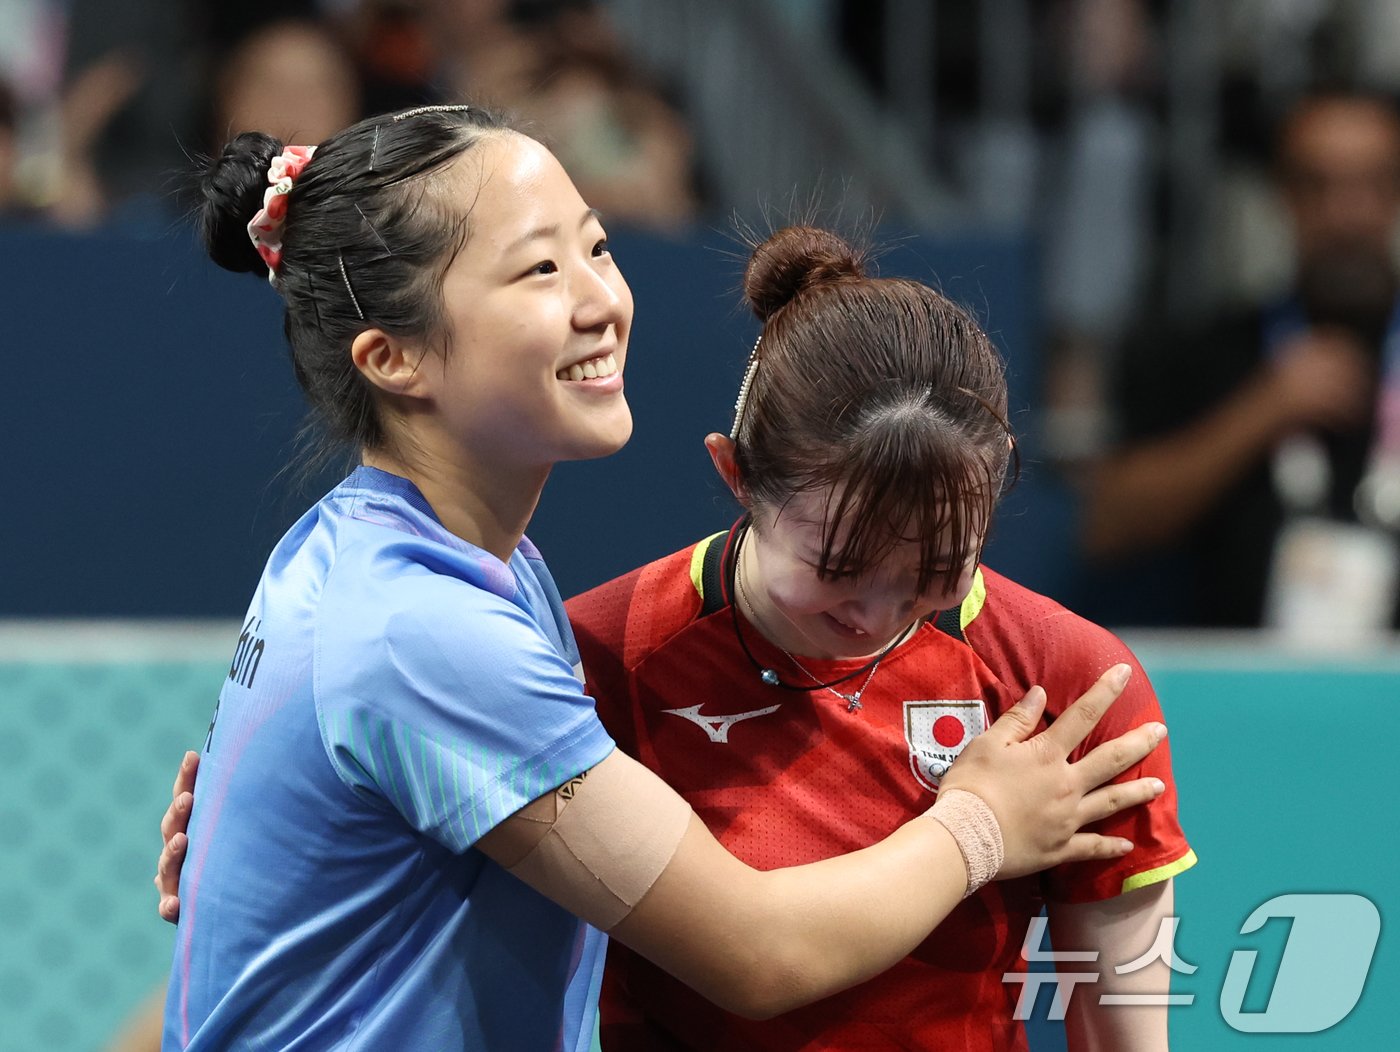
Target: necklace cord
x=777, y=681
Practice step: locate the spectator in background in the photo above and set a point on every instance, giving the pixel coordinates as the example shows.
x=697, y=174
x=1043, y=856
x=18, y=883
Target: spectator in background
x=94, y=102
x=1237, y=436
x=9, y=153
x=560, y=68
x=128, y=108
x=294, y=79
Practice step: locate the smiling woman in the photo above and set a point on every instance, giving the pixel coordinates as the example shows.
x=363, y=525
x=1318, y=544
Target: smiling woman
x=412, y=828
x=501, y=402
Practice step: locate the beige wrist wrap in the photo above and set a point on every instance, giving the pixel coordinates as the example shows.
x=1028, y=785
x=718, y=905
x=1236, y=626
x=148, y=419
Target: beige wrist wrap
x=975, y=829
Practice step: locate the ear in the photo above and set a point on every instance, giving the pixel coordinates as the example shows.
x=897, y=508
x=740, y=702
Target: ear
x=721, y=449
x=387, y=362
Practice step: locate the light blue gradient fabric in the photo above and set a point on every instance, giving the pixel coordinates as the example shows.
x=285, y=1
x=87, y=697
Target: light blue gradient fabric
x=394, y=694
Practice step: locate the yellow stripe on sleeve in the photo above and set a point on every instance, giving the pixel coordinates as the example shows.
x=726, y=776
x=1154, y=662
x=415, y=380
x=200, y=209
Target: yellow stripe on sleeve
x=1161, y=873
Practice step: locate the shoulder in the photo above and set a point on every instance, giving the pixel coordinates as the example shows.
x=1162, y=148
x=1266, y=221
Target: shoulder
x=1026, y=638
x=410, y=613
x=631, y=616
x=1014, y=618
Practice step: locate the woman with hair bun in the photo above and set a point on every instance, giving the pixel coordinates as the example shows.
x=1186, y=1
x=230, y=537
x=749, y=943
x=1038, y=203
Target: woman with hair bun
x=412, y=828
x=847, y=646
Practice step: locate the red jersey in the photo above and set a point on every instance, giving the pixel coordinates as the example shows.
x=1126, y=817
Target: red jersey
x=784, y=778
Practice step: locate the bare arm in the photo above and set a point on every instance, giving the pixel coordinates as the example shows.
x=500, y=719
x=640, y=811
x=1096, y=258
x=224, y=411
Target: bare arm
x=1150, y=494
x=761, y=943
x=1121, y=929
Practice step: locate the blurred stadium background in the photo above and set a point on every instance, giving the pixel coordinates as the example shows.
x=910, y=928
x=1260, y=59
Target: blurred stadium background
x=1070, y=169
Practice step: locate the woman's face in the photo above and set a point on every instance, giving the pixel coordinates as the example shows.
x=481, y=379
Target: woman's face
x=537, y=314
x=844, y=616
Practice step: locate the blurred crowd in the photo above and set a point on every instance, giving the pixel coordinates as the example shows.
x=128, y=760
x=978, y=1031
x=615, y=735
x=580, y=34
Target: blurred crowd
x=1213, y=191
x=102, y=105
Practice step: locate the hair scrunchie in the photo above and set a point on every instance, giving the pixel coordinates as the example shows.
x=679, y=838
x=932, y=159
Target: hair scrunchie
x=265, y=228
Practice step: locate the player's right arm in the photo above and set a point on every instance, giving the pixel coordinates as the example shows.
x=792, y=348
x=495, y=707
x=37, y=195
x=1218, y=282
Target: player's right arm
x=761, y=943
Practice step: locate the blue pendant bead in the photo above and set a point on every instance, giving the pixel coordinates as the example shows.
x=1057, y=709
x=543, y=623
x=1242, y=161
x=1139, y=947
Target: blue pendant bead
x=769, y=676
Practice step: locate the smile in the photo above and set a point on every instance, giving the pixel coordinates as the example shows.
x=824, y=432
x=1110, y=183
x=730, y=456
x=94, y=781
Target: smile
x=844, y=629
x=594, y=369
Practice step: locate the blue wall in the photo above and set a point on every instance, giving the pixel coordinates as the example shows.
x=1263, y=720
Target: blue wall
x=151, y=410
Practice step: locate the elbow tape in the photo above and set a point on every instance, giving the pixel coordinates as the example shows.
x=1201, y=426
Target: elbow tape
x=614, y=831
x=976, y=832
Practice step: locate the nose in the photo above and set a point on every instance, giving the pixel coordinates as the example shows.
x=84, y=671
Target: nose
x=601, y=297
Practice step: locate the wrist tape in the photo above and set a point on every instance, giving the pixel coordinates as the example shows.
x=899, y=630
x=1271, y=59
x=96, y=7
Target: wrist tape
x=976, y=832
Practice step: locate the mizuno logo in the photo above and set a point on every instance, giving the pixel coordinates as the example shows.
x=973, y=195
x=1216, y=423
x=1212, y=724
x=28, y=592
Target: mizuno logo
x=717, y=727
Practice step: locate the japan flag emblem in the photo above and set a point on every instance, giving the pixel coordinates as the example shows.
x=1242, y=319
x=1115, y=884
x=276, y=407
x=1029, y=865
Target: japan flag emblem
x=936, y=732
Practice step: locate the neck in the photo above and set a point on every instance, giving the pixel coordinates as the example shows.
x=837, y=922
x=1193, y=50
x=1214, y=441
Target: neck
x=488, y=505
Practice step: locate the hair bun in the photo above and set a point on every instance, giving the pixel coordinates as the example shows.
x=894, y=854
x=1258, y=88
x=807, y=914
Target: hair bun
x=793, y=260
x=231, y=191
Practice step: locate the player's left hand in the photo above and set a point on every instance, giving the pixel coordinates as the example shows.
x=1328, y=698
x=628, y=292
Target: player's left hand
x=173, y=828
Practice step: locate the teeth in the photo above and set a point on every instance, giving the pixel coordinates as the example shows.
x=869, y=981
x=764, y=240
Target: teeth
x=593, y=369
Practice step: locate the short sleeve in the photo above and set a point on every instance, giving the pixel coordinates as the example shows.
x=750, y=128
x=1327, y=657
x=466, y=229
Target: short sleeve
x=1161, y=850
x=452, y=706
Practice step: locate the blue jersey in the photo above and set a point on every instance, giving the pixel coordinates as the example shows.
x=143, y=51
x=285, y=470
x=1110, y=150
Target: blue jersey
x=395, y=693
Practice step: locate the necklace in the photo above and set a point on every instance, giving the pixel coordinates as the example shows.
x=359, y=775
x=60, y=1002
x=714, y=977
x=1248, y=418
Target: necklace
x=770, y=676
x=853, y=703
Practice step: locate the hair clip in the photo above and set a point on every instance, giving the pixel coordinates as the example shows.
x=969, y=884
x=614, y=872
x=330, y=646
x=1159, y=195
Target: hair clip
x=345, y=277
x=743, y=400
x=440, y=108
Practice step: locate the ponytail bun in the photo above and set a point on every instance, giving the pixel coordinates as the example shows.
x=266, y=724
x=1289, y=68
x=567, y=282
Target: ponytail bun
x=230, y=193
x=794, y=260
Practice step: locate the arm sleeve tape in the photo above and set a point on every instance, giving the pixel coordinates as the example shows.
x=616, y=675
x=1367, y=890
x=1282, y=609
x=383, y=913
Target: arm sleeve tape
x=613, y=834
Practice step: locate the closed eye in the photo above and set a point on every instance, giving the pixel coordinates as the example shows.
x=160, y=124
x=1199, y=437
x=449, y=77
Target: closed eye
x=832, y=575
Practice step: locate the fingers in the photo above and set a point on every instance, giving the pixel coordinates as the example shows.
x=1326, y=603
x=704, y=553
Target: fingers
x=174, y=825
x=167, y=878
x=1018, y=723
x=1084, y=847
x=177, y=817
x=1111, y=799
x=184, y=777
x=1112, y=758
x=1083, y=716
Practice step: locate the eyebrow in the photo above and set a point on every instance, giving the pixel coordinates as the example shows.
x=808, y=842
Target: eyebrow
x=552, y=230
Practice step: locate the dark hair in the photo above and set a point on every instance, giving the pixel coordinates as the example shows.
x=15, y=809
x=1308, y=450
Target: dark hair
x=368, y=237
x=881, y=390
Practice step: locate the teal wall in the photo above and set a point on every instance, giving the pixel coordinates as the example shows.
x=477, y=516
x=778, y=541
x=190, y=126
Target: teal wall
x=1284, y=766
x=87, y=753
x=1287, y=774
